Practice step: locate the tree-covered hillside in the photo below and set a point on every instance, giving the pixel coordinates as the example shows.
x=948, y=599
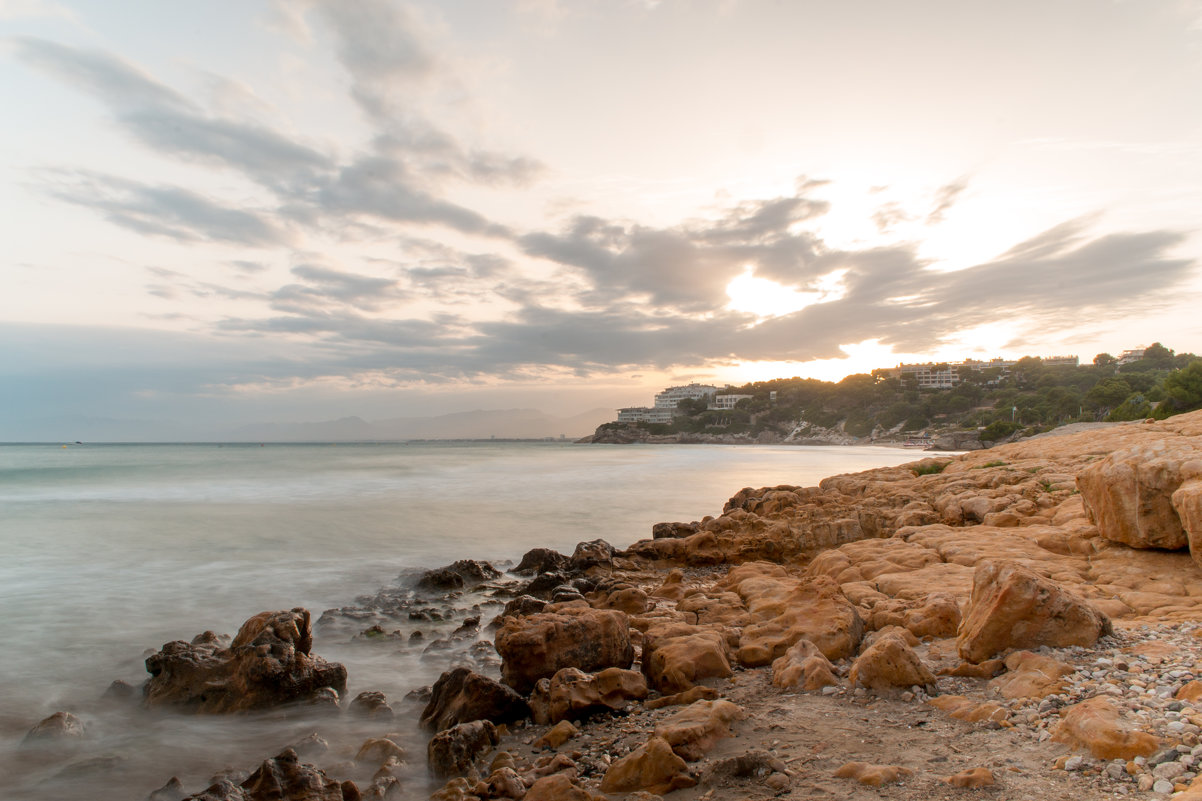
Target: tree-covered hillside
x=1027, y=398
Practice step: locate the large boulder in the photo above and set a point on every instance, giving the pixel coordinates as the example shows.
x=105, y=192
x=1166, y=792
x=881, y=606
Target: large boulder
x=1129, y=493
x=461, y=696
x=537, y=646
x=1014, y=607
x=572, y=694
x=453, y=752
x=541, y=560
x=282, y=778
x=268, y=664
x=463, y=573
x=1187, y=501
x=559, y=787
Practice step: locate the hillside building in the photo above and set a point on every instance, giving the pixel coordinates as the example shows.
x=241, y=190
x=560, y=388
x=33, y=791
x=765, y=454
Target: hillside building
x=928, y=377
x=643, y=414
x=670, y=397
x=725, y=402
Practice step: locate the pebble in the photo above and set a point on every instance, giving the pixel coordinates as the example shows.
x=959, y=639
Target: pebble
x=1162, y=786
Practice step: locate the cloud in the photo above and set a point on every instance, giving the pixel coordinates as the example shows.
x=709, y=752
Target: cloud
x=27, y=9
x=165, y=211
x=945, y=198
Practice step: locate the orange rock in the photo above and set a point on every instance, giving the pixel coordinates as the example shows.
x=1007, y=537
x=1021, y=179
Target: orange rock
x=652, y=767
x=986, y=670
x=873, y=775
x=560, y=787
x=1187, y=502
x=558, y=734
x=695, y=729
x=673, y=664
x=1014, y=607
x=936, y=615
x=572, y=694
x=1129, y=493
x=803, y=667
x=973, y=777
x=698, y=693
x=1094, y=725
x=966, y=709
x=1190, y=691
x=539, y=645
x=630, y=600
x=672, y=588
x=1031, y=676
x=887, y=663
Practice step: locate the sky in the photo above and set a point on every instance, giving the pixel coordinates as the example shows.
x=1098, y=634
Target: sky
x=291, y=210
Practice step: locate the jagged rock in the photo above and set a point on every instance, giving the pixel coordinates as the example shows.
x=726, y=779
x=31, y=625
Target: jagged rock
x=267, y=664
x=676, y=531
x=694, y=730
x=653, y=767
x=451, y=752
x=544, y=585
x=461, y=695
x=370, y=704
x=378, y=750
x=888, y=663
x=524, y=605
x=572, y=694
x=595, y=553
x=1094, y=725
x=311, y=746
x=1187, y=501
x=803, y=667
x=538, y=646
x=505, y=783
x=541, y=560
x=463, y=573
x=282, y=778
x=58, y=728
x=1014, y=607
x=937, y=615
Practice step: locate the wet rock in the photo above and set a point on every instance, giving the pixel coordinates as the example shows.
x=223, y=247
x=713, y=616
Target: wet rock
x=372, y=705
x=661, y=531
x=572, y=694
x=282, y=778
x=120, y=691
x=595, y=553
x=544, y=584
x=541, y=560
x=889, y=663
x=378, y=750
x=694, y=730
x=538, y=646
x=1014, y=607
x=311, y=746
x=464, y=573
x=524, y=605
x=1095, y=725
x=653, y=767
x=462, y=695
x=268, y=664
x=173, y=790
x=453, y=751
x=61, y=727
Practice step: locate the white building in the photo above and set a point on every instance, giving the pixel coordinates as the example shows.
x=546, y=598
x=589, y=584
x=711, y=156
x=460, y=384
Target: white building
x=727, y=401
x=674, y=395
x=930, y=378
x=642, y=414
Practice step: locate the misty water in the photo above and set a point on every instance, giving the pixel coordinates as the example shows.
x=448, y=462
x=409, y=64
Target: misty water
x=107, y=551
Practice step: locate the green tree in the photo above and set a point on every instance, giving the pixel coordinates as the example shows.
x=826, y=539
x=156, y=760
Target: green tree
x=1157, y=356
x=1108, y=393
x=1184, y=388
x=1104, y=360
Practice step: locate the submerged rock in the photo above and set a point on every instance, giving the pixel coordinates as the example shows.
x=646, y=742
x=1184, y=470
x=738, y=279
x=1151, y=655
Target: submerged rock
x=59, y=728
x=268, y=664
x=452, y=752
x=281, y=778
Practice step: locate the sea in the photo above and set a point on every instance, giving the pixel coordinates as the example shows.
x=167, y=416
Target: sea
x=109, y=551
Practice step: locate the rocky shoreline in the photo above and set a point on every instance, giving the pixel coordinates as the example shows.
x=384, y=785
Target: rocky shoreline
x=1020, y=622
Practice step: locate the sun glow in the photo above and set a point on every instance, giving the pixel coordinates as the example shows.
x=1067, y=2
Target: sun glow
x=766, y=298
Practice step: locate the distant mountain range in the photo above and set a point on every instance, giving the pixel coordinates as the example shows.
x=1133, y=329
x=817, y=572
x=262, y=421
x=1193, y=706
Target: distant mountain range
x=480, y=424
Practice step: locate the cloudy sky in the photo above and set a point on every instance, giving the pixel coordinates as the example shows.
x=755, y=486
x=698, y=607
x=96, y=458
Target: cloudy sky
x=244, y=210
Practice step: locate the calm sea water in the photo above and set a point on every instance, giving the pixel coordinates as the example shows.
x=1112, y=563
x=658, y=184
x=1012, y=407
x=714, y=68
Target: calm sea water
x=109, y=550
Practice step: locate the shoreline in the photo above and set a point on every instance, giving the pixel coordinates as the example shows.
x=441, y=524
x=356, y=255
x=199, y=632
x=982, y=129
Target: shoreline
x=1016, y=501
